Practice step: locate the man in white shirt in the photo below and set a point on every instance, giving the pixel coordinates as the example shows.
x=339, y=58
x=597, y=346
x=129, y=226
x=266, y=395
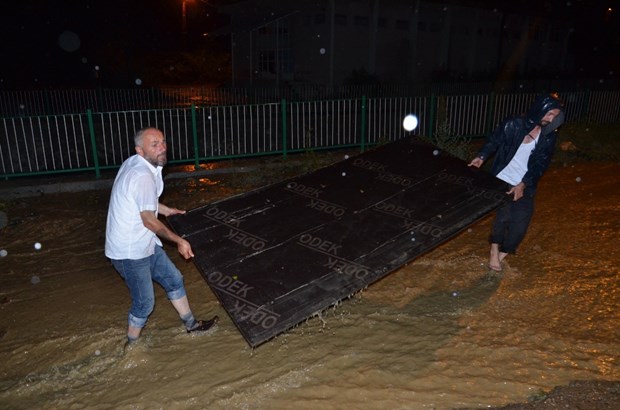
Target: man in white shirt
x=133, y=234
x=523, y=147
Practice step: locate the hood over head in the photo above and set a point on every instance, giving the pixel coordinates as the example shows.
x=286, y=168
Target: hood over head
x=541, y=106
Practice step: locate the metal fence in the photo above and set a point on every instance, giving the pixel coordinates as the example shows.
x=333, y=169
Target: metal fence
x=94, y=141
x=74, y=101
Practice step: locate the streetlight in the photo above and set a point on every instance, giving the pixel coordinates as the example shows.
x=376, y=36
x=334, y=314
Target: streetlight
x=184, y=16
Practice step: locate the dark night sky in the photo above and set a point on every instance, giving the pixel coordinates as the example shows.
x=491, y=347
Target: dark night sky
x=115, y=34
x=111, y=33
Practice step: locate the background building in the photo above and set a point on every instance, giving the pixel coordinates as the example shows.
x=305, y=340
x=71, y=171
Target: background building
x=393, y=41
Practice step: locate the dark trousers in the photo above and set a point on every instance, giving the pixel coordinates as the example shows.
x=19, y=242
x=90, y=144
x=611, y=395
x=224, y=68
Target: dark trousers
x=511, y=223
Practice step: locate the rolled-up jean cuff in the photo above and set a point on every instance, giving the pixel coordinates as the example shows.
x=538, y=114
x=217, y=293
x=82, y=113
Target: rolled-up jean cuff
x=176, y=294
x=136, y=321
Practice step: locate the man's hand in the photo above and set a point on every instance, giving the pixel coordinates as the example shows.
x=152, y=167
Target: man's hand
x=151, y=222
x=185, y=249
x=517, y=191
x=476, y=162
x=168, y=211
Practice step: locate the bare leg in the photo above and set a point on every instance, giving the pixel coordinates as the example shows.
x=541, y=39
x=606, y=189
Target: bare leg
x=496, y=258
x=133, y=332
x=182, y=306
x=191, y=324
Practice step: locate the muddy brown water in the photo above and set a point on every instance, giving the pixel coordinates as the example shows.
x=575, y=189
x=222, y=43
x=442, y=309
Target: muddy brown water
x=438, y=333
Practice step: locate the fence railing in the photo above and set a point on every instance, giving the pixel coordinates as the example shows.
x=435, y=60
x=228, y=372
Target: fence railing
x=74, y=101
x=94, y=141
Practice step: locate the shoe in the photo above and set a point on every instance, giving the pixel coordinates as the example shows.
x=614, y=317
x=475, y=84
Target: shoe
x=203, y=325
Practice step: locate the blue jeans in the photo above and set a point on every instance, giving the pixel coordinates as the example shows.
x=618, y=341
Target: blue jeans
x=139, y=275
x=511, y=223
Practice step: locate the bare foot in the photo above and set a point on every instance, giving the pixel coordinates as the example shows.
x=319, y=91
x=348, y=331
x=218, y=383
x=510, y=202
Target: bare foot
x=495, y=258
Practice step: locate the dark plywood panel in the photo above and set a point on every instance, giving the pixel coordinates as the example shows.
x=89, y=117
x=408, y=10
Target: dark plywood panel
x=277, y=255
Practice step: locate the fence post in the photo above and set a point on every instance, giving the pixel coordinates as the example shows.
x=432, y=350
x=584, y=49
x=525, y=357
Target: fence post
x=47, y=109
x=284, y=131
x=432, y=115
x=586, y=106
x=363, y=124
x=490, y=114
x=100, y=100
x=195, y=137
x=93, y=142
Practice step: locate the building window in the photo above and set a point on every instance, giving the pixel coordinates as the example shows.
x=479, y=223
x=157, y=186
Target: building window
x=402, y=25
x=341, y=19
x=267, y=61
x=361, y=21
x=264, y=31
x=283, y=31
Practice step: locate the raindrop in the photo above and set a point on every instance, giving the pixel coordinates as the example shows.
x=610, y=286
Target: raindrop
x=35, y=279
x=578, y=179
x=69, y=41
x=436, y=152
x=138, y=81
x=322, y=51
x=84, y=60
x=97, y=67
x=344, y=174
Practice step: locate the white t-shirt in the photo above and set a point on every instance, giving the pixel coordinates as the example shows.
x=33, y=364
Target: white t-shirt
x=137, y=188
x=517, y=167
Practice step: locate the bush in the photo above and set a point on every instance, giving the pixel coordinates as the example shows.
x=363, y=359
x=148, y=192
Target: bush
x=593, y=142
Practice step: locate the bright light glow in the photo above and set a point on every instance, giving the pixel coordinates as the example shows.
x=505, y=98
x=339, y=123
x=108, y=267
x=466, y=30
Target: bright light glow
x=410, y=122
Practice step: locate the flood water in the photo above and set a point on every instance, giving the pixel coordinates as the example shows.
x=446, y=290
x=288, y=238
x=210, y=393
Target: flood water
x=439, y=333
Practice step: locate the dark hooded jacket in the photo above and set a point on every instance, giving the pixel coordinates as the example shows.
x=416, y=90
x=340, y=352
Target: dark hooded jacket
x=506, y=139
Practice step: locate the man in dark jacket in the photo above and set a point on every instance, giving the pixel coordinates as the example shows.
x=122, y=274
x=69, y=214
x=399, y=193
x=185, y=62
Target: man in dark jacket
x=523, y=147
